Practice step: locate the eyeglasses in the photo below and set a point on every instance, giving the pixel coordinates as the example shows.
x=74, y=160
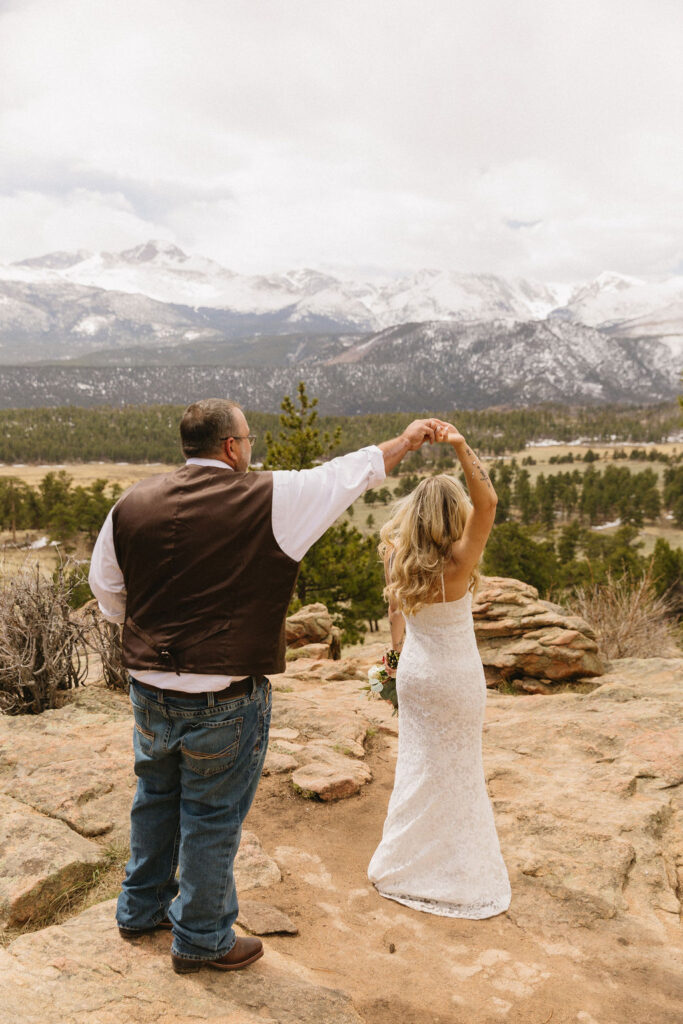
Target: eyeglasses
x=251, y=438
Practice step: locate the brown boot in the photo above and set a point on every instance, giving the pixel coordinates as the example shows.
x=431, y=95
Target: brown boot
x=244, y=952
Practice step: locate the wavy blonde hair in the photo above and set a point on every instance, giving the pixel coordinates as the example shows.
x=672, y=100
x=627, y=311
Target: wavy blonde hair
x=420, y=536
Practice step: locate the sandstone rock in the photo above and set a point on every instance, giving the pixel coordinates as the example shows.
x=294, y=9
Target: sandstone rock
x=254, y=869
x=262, y=919
x=329, y=775
x=277, y=762
x=325, y=713
x=532, y=685
x=82, y=971
x=74, y=763
x=519, y=635
x=39, y=859
x=312, y=624
x=345, y=668
x=312, y=651
x=283, y=733
x=585, y=793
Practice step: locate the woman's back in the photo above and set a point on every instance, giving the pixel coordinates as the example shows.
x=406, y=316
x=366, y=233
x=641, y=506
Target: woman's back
x=440, y=850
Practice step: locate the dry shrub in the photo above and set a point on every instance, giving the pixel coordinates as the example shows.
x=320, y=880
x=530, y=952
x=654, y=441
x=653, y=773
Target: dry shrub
x=629, y=619
x=104, y=638
x=42, y=650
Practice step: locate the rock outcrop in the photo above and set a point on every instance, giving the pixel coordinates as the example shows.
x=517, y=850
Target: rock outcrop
x=521, y=637
x=311, y=634
x=587, y=794
x=83, y=971
x=40, y=858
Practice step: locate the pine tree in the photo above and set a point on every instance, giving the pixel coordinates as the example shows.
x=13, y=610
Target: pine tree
x=337, y=569
x=300, y=444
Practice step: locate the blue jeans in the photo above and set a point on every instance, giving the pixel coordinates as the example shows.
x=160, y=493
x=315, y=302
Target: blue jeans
x=198, y=759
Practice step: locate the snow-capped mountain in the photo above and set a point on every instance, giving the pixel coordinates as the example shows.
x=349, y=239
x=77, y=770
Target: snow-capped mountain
x=163, y=272
x=425, y=367
x=614, y=300
x=479, y=337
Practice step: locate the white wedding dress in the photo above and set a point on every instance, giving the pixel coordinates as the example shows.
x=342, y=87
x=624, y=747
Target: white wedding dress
x=440, y=850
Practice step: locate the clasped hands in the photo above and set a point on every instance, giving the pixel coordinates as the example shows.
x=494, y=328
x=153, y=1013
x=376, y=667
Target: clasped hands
x=419, y=431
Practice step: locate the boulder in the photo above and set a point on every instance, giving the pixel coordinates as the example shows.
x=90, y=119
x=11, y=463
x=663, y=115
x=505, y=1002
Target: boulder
x=40, y=858
x=522, y=637
x=312, y=624
x=329, y=775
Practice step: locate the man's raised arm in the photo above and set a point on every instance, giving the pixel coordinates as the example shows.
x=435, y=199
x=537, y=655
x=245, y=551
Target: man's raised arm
x=306, y=502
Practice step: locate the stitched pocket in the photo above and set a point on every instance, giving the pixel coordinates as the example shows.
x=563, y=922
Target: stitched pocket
x=145, y=739
x=214, y=748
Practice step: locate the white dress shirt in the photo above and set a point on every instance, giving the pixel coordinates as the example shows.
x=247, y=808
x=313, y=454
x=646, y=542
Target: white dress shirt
x=305, y=503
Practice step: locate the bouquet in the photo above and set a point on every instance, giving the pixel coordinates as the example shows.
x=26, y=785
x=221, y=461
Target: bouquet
x=382, y=679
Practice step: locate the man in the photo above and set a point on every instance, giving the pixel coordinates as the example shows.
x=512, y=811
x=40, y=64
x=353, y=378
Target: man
x=200, y=566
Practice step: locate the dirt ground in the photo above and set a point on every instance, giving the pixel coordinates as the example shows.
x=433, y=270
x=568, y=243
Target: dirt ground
x=400, y=965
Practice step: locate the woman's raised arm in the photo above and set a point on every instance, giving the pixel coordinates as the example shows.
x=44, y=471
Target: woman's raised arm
x=468, y=549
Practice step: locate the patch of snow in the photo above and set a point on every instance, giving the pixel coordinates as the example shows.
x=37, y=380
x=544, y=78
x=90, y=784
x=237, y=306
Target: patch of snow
x=606, y=526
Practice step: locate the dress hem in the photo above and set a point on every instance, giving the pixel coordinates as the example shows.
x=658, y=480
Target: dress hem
x=443, y=909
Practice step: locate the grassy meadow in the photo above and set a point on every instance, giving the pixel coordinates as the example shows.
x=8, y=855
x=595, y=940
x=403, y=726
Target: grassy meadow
x=125, y=474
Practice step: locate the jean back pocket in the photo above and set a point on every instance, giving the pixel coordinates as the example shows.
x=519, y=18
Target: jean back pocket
x=212, y=747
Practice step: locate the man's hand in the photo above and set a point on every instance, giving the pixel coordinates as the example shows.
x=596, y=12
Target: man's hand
x=412, y=438
x=419, y=431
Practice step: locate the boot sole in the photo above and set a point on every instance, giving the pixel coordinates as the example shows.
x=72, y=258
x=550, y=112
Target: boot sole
x=181, y=966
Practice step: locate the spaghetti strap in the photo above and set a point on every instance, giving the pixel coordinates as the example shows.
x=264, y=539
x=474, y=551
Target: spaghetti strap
x=443, y=588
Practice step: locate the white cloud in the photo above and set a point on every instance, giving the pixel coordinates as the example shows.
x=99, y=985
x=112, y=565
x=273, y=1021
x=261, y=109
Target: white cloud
x=401, y=134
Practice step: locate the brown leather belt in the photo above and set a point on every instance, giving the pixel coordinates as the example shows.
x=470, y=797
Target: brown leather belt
x=240, y=688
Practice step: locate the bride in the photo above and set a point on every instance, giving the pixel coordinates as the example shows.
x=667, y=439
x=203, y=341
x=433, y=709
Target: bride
x=440, y=851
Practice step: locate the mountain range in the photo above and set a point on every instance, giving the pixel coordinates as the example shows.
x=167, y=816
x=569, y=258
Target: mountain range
x=474, y=339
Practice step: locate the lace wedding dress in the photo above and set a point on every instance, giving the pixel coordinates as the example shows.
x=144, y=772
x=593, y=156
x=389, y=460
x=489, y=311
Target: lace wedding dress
x=440, y=850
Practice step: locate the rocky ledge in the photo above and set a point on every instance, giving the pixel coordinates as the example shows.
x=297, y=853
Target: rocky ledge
x=586, y=791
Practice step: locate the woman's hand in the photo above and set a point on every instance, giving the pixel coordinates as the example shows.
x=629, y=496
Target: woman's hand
x=447, y=433
x=390, y=662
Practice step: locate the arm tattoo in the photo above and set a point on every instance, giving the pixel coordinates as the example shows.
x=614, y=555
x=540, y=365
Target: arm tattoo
x=483, y=475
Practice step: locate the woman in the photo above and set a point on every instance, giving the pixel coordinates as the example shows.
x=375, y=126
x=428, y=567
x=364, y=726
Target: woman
x=439, y=850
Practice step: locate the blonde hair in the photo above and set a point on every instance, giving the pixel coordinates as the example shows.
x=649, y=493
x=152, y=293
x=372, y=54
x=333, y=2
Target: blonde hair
x=420, y=536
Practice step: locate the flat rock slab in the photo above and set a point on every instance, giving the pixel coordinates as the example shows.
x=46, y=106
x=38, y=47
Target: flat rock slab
x=586, y=793
x=331, y=712
x=73, y=763
x=263, y=919
x=254, y=869
x=82, y=972
x=39, y=858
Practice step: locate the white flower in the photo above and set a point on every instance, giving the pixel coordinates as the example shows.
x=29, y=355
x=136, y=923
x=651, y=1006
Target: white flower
x=375, y=678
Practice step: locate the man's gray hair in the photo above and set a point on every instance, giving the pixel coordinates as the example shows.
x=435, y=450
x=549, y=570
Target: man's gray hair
x=204, y=424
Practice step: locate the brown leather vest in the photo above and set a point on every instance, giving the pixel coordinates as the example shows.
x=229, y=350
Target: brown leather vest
x=207, y=585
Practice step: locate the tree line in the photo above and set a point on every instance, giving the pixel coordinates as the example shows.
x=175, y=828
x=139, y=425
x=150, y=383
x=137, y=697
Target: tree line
x=150, y=433
x=543, y=527
x=55, y=505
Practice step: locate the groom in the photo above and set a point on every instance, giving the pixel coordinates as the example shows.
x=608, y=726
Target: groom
x=200, y=565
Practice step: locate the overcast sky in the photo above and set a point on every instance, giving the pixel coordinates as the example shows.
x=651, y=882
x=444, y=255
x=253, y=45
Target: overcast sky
x=535, y=137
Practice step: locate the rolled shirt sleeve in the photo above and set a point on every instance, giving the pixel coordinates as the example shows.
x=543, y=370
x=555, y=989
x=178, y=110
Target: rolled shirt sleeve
x=105, y=577
x=306, y=502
